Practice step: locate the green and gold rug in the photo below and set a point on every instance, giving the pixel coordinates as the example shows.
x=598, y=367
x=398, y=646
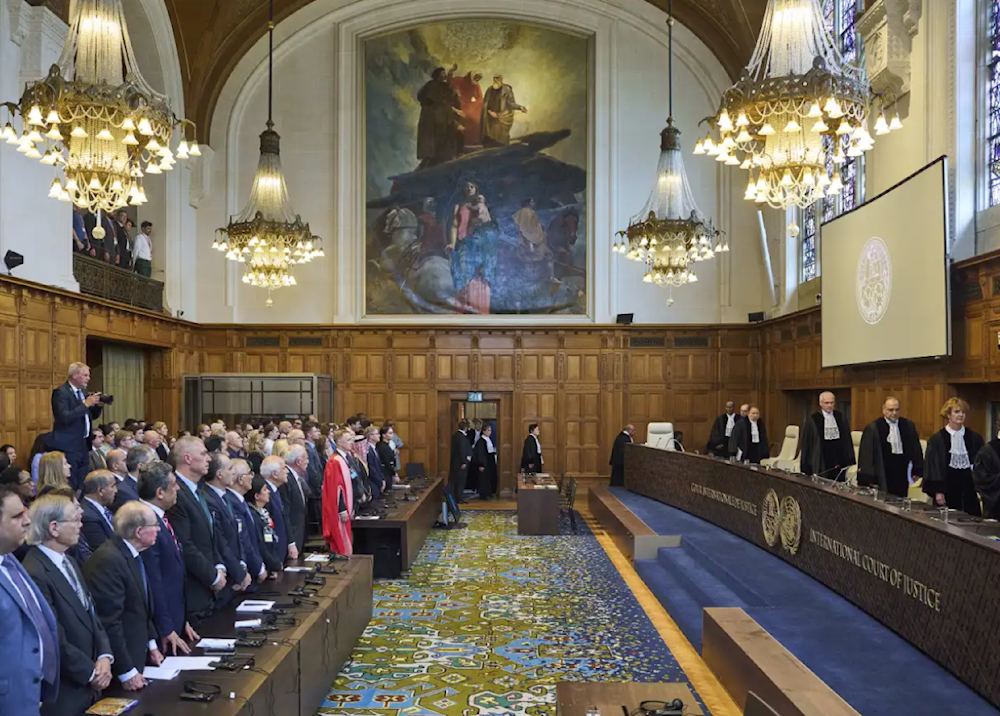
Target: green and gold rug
x=487, y=622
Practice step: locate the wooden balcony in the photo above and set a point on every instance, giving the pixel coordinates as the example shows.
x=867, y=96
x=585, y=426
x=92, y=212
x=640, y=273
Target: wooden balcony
x=97, y=278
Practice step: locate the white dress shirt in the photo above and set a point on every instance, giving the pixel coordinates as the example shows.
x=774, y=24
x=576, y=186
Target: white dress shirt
x=541, y=459
x=141, y=248
x=100, y=508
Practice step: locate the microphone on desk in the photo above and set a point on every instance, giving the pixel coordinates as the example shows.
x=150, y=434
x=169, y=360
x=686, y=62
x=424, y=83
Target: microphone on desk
x=676, y=442
x=836, y=478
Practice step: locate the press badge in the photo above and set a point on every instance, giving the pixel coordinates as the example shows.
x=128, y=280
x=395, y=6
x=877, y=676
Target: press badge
x=268, y=537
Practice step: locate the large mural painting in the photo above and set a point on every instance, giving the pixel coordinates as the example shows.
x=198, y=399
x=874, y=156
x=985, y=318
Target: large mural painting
x=476, y=170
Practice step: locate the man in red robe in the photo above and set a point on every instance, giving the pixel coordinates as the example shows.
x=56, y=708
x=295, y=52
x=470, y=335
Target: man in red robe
x=338, y=497
x=470, y=95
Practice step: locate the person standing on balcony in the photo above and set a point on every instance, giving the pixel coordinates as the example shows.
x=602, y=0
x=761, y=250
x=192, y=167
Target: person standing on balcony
x=142, y=251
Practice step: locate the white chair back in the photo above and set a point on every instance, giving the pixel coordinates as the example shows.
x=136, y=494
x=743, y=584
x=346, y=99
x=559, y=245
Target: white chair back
x=856, y=442
x=789, y=447
x=660, y=436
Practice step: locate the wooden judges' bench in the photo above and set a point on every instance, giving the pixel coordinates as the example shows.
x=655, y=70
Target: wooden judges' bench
x=395, y=538
x=929, y=581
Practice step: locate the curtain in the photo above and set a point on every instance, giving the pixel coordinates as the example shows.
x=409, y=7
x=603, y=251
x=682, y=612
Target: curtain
x=125, y=379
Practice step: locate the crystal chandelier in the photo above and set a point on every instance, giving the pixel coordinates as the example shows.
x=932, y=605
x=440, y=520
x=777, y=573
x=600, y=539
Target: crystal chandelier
x=268, y=236
x=797, y=112
x=95, y=118
x=670, y=233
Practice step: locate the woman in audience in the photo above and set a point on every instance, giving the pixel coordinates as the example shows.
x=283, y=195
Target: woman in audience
x=19, y=480
x=324, y=448
x=280, y=447
x=124, y=440
x=53, y=472
x=38, y=448
x=257, y=497
x=10, y=452
x=256, y=450
x=386, y=454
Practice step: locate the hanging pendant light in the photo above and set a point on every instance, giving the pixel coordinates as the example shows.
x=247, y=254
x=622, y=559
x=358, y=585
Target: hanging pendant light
x=671, y=233
x=268, y=237
x=82, y=116
x=802, y=105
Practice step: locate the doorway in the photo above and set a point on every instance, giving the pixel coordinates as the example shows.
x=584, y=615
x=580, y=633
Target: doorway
x=496, y=410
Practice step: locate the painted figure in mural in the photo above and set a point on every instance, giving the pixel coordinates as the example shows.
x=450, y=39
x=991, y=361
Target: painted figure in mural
x=561, y=234
x=431, y=233
x=498, y=113
x=439, y=133
x=473, y=247
x=470, y=94
x=530, y=234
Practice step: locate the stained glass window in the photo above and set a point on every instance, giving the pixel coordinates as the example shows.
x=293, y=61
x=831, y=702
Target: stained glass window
x=993, y=101
x=840, y=20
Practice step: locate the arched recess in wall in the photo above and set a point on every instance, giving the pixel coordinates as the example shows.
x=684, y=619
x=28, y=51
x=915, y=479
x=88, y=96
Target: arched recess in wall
x=349, y=22
x=156, y=52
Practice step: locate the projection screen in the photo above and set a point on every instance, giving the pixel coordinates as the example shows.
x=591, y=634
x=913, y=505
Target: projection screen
x=884, y=269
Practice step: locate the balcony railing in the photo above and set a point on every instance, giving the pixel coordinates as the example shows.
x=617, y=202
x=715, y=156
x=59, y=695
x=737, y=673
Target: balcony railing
x=97, y=278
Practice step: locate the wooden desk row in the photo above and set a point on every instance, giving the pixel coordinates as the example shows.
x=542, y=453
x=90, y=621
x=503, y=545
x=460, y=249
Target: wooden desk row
x=294, y=671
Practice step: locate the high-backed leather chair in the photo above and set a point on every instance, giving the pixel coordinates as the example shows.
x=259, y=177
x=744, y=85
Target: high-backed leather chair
x=660, y=436
x=785, y=459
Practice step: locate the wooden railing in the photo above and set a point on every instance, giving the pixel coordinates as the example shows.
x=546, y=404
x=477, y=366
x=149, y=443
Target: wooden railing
x=103, y=280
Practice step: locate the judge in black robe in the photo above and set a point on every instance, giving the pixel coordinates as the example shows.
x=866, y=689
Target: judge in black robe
x=617, y=461
x=461, y=457
x=531, y=454
x=823, y=453
x=986, y=473
x=742, y=444
x=948, y=475
x=879, y=464
x=484, y=457
x=722, y=431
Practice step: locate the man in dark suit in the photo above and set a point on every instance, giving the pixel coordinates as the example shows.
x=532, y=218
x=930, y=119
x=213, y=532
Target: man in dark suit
x=227, y=529
x=275, y=473
x=461, y=457
x=617, y=461
x=123, y=242
x=73, y=415
x=251, y=549
x=295, y=493
x=317, y=464
x=99, y=492
x=531, y=454
x=84, y=650
x=96, y=457
x=29, y=646
x=128, y=484
x=116, y=576
x=205, y=574
x=376, y=475
x=154, y=441
x=164, y=561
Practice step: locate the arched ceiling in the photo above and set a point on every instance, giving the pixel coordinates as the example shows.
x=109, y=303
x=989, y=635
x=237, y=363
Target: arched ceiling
x=212, y=36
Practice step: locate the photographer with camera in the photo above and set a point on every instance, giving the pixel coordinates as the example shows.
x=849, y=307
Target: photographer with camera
x=73, y=413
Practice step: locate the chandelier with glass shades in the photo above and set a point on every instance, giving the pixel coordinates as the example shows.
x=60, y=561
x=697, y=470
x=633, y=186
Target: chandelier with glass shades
x=95, y=119
x=268, y=236
x=798, y=111
x=670, y=233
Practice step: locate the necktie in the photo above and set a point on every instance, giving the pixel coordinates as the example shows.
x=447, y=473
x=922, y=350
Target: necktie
x=204, y=507
x=142, y=570
x=177, y=545
x=108, y=517
x=70, y=572
x=79, y=394
x=35, y=612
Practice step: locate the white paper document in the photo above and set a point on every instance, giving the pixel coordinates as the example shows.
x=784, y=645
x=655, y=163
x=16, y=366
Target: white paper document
x=254, y=606
x=248, y=624
x=298, y=569
x=318, y=558
x=158, y=673
x=188, y=663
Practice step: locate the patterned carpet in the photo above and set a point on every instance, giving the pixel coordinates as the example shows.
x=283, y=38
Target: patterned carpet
x=488, y=622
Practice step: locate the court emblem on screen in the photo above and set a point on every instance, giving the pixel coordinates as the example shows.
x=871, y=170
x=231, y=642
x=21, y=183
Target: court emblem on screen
x=873, y=284
x=781, y=520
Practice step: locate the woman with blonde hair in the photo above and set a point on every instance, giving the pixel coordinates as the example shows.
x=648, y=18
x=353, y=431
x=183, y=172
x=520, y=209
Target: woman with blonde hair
x=256, y=450
x=53, y=472
x=280, y=447
x=951, y=453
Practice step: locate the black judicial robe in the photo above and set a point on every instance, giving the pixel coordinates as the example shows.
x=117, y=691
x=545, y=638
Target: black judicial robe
x=485, y=465
x=617, y=460
x=718, y=443
x=531, y=456
x=741, y=440
x=958, y=486
x=986, y=473
x=820, y=456
x=879, y=467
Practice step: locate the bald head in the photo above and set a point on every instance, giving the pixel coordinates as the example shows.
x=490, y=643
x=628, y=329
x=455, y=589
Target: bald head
x=152, y=438
x=744, y=409
x=296, y=437
x=234, y=441
x=116, y=461
x=827, y=401
x=890, y=409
